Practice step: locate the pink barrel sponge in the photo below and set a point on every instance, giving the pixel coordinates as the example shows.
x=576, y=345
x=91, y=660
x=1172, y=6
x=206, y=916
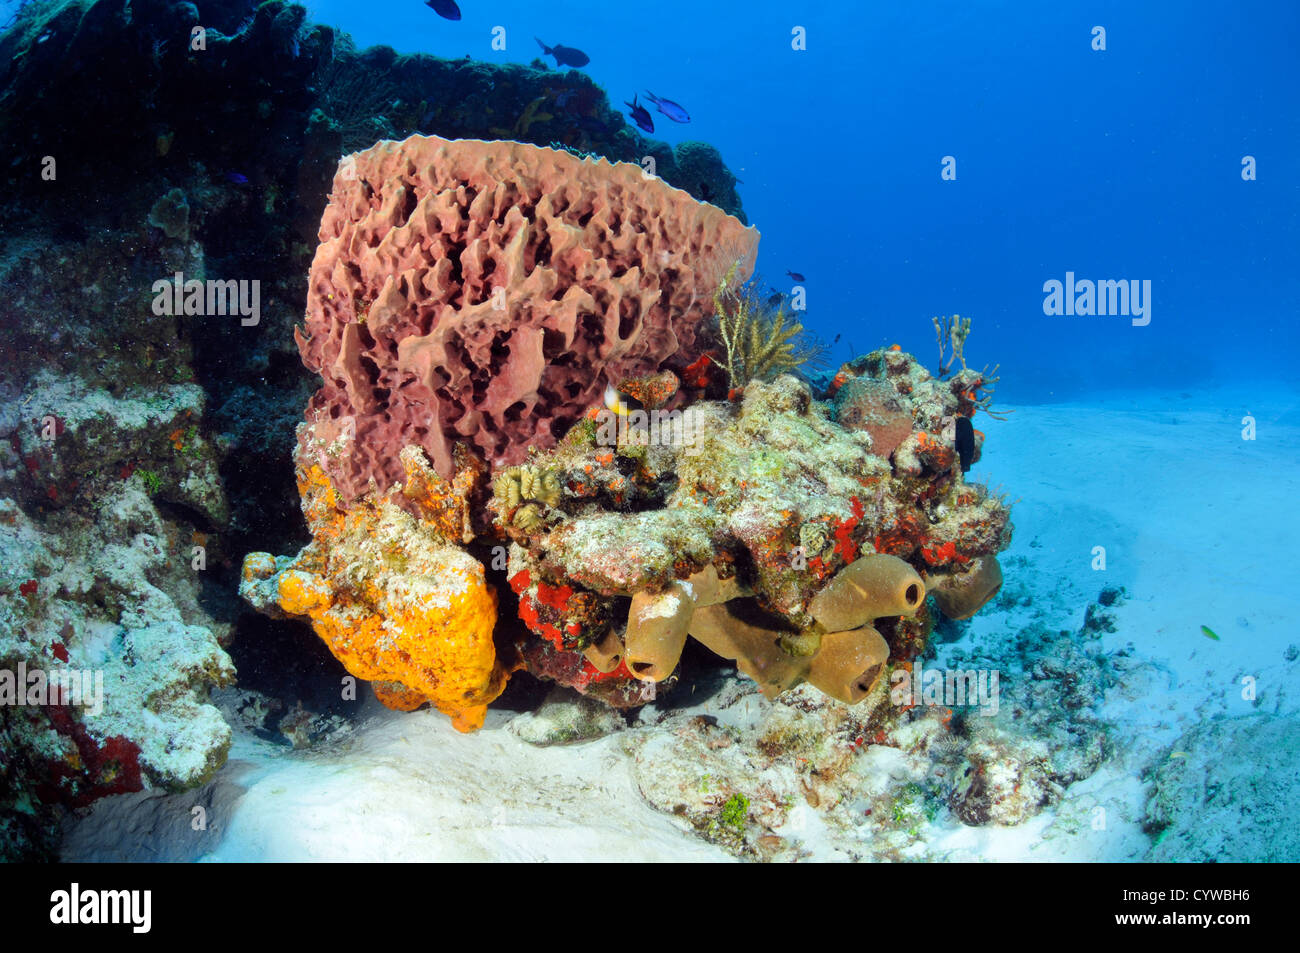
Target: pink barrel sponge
x=486, y=293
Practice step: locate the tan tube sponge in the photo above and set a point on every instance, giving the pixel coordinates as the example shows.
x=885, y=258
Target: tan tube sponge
x=656, y=631
x=708, y=589
x=961, y=595
x=756, y=648
x=849, y=664
x=873, y=586
x=606, y=654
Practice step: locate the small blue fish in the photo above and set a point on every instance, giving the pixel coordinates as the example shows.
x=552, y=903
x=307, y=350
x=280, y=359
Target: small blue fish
x=669, y=108
x=236, y=178
x=564, y=55
x=446, y=9
x=640, y=115
x=796, y=276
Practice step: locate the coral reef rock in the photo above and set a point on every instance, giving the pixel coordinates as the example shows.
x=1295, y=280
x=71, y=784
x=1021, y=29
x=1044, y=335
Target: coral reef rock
x=510, y=341
x=106, y=660
x=765, y=530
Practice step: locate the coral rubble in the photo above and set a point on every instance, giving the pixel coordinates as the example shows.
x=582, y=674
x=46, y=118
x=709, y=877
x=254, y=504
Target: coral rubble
x=1226, y=792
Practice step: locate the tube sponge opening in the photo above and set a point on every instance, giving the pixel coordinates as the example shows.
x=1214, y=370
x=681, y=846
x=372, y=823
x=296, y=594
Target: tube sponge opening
x=656, y=631
x=849, y=664
x=606, y=654
x=873, y=586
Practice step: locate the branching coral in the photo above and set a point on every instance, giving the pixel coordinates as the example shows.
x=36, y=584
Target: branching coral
x=759, y=340
x=955, y=331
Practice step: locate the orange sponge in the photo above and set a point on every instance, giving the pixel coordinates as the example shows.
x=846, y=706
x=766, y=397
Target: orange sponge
x=397, y=604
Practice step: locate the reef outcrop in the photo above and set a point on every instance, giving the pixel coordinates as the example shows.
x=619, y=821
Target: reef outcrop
x=776, y=529
x=764, y=529
x=494, y=315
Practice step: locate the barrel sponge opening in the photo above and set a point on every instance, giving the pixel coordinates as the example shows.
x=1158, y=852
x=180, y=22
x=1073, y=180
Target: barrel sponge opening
x=849, y=664
x=656, y=631
x=870, y=588
x=960, y=595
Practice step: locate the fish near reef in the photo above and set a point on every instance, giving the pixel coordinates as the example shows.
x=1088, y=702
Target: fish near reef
x=640, y=115
x=564, y=55
x=618, y=402
x=446, y=9
x=669, y=108
x=964, y=442
x=796, y=276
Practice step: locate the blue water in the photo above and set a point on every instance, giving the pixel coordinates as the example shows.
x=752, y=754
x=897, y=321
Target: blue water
x=1116, y=164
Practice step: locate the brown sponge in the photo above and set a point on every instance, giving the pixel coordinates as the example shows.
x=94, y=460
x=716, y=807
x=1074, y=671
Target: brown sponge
x=709, y=589
x=755, y=647
x=656, y=631
x=606, y=654
x=961, y=595
x=849, y=664
x=873, y=586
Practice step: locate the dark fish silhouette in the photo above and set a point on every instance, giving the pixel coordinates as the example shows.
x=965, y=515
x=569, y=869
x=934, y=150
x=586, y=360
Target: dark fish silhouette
x=564, y=55
x=837, y=339
x=669, y=108
x=774, y=300
x=237, y=178
x=640, y=115
x=796, y=276
x=964, y=442
x=446, y=9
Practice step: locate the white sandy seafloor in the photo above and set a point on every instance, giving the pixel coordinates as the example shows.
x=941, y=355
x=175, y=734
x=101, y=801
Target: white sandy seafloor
x=1199, y=526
